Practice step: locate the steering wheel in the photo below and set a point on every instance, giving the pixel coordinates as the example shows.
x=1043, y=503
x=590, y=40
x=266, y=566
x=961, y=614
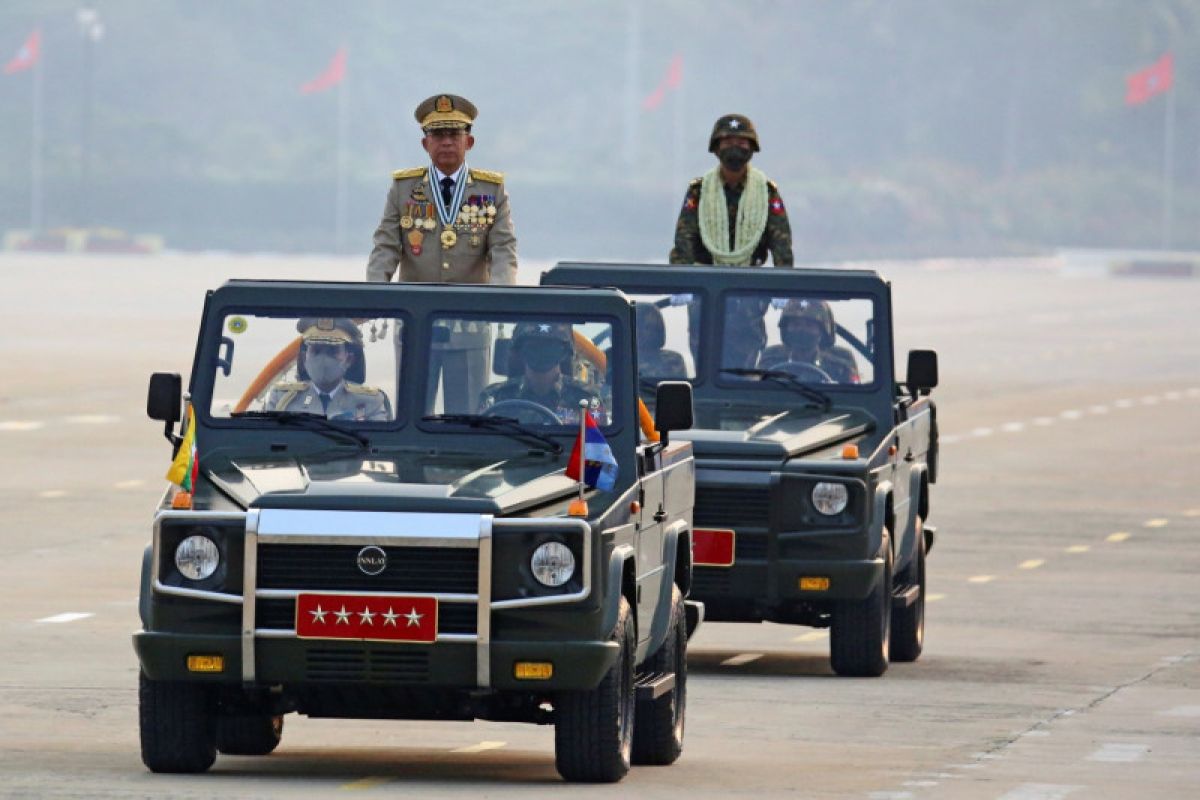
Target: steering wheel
x=525, y=411
x=804, y=371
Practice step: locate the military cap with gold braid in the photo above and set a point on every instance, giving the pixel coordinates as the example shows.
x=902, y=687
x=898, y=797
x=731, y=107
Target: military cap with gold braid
x=328, y=330
x=446, y=111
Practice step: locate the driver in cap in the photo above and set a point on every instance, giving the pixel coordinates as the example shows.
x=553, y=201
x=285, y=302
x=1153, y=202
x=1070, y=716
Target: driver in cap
x=807, y=331
x=544, y=352
x=330, y=350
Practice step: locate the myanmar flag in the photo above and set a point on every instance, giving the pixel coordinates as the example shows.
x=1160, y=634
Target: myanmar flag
x=184, y=468
x=599, y=464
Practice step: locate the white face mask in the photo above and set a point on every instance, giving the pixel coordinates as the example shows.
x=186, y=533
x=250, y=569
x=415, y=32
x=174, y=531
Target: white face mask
x=324, y=370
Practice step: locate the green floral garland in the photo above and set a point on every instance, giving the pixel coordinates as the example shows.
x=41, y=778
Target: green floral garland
x=714, y=217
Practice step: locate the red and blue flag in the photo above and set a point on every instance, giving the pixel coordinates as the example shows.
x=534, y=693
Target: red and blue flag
x=599, y=464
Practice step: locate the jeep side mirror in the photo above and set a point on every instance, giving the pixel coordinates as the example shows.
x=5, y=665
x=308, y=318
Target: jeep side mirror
x=922, y=373
x=163, y=400
x=672, y=407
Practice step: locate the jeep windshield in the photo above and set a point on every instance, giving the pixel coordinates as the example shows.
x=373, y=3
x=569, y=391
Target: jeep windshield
x=284, y=368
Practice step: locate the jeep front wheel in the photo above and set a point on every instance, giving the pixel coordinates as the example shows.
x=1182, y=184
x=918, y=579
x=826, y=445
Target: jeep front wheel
x=249, y=734
x=593, y=730
x=658, y=721
x=860, y=629
x=178, y=725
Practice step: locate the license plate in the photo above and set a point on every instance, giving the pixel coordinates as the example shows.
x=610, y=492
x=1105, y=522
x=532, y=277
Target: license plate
x=712, y=548
x=379, y=618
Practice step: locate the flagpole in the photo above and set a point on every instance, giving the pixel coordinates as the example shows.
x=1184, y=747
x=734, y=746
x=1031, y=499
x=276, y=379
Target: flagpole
x=677, y=176
x=35, y=161
x=339, y=211
x=1168, y=218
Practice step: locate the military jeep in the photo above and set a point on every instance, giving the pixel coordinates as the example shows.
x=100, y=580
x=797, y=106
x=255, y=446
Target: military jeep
x=814, y=462
x=371, y=528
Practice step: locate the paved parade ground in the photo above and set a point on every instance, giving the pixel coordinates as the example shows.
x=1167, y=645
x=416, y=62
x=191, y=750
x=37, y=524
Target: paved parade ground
x=1062, y=654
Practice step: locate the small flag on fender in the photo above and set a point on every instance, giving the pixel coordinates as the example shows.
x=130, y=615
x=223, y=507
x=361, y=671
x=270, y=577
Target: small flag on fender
x=599, y=464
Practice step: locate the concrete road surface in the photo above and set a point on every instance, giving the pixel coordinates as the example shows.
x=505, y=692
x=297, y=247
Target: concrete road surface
x=1063, y=637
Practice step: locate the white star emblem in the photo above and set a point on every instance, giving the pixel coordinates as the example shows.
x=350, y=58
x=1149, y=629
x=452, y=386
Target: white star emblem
x=414, y=619
x=368, y=616
x=319, y=614
x=733, y=123
x=804, y=304
x=343, y=616
x=390, y=617
x=543, y=328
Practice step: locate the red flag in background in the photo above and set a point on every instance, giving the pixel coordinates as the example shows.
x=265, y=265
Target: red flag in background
x=673, y=79
x=331, y=77
x=27, y=56
x=1153, y=80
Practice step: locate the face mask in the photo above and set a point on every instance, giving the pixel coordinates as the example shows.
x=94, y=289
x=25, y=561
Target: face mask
x=734, y=158
x=324, y=370
x=801, y=339
x=542, y=357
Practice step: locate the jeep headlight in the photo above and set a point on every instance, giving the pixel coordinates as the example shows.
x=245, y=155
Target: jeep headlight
x=197, y=557
x=830, y=498
x=552, y=564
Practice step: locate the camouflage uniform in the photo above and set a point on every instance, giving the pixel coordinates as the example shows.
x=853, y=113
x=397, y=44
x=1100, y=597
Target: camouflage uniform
x=563, y=398
x=835, y=361
x=564, y=394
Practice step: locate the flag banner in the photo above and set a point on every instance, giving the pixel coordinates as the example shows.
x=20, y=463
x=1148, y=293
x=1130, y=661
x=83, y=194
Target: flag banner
x=183, y=469
x=672, y=80
x=331, y=77
x=599, y=463
x=1150, y=82
x=27, y=55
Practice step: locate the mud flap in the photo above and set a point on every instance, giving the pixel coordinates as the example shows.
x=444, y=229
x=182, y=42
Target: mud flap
x=694, y=611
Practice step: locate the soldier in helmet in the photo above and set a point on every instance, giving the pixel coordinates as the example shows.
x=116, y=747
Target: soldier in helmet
x=330, y=370
x=541, y=364
x=807, y=331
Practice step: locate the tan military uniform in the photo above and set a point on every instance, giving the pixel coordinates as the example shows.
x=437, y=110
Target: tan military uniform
x=484, y=248
x=351, y=401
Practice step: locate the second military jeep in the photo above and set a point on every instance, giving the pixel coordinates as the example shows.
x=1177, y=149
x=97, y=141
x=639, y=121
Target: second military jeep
x=814, y=463
x=374, y=521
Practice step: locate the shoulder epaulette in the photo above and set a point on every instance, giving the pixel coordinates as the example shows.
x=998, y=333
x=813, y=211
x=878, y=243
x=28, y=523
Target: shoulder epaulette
x=411, y=172
x=696, y=181
x=358, y=388
x=772, y=185
x=487, y=175
x=298, y=386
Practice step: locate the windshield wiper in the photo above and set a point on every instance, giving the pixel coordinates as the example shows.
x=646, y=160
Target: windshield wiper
x=785, y=379
x=506, y=425
x=313, y=422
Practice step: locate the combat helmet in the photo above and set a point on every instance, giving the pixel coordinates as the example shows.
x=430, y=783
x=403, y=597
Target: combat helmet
x=733, y=125
x=534, y=342
x=816, y=310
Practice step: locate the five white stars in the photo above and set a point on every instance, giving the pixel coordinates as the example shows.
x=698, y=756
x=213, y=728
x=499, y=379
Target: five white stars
x=367, y=616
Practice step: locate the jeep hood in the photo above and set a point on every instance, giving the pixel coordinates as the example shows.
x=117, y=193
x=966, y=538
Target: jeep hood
x=477, y=483
x=781, y=436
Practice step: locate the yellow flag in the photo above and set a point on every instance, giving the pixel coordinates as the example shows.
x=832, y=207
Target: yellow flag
x=183, y=467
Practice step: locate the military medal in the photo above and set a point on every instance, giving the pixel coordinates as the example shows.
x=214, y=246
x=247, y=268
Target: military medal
x=415, y=237
x=475, y=240
x=428, y=222
x=406, y=221
x=449, y=238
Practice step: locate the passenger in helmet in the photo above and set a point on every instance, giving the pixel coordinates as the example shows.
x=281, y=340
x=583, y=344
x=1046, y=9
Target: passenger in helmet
x=807, y=331
x=542, y=358
x=330, y=371
x=653, y=360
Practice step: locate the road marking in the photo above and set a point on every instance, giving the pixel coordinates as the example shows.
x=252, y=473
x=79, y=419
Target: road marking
x=1150, y=400
x=1119, y=753
x=479, y=748
x=1181, y=711
x=1039, y=791
x=1123, y=403
x=1119, y=536
x=1032, y=563
x=981, y=579
x=811, y=636
x=1013, y=427
x=1098, y=409
x=1078, y=548
x=130, y=484
x=1071, y=414
x=951, y=439
x=933, y=598
x=52, y=494
x=979, y=433
x=738, y=660
x=69, y=616
x=890, y=796
x=92, y=419
x=924, y=783
x=1192, y=512
x=1043, y=421
x=1173, y=395
x=366, y=783
x=21, y=425
x=1156, y=523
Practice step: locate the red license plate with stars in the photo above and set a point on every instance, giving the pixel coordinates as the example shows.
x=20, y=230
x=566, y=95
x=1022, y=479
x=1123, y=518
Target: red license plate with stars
x=379, y=618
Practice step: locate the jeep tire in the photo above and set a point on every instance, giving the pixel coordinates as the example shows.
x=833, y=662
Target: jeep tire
x=860, y=629
x=177, y=725
x=249, y=734
x=593, y=730
x=908, y=623
x=658, y=722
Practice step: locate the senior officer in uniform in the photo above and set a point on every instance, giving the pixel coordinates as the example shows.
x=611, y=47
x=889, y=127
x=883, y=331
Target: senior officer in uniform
x=330, y=350
x=734, y=216
x=448, y=223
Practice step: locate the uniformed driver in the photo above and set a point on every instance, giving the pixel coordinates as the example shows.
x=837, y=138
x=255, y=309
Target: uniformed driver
x=330, y=351
x=543, y=352
x=807, y=331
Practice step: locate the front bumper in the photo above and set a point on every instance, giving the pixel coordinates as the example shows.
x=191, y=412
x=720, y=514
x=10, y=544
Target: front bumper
x=772, y=583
